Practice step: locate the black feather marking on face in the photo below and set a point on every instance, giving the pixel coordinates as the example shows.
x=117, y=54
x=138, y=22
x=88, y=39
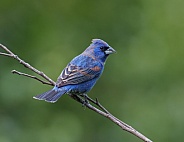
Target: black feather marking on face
x=104, y=48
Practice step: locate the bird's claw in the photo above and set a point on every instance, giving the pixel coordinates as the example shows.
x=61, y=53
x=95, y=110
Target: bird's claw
x=85, y=101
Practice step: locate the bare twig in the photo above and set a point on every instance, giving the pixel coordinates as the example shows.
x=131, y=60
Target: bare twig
x=96, y=102
x=5, y=54
x=11, y=54
x=115, y=120
x=34, y=77
x=123, y=125
x=104, y=112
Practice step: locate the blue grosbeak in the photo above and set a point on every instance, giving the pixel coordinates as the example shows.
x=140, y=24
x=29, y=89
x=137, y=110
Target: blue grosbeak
x=81, y=74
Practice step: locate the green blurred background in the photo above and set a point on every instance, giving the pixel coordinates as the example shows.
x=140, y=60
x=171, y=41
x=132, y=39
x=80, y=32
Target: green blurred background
x=142, y=85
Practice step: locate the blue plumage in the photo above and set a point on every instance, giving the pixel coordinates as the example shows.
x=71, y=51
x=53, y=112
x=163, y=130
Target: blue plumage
x=81, y=74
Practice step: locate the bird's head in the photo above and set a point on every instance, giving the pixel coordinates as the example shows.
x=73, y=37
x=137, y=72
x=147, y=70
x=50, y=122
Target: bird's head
x=99, y=49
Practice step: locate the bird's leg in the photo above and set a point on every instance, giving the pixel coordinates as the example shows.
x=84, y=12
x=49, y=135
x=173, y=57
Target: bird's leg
x=85, y=96
x=77, y=98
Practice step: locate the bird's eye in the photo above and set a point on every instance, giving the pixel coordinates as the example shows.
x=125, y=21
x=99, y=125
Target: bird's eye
x=103, y=48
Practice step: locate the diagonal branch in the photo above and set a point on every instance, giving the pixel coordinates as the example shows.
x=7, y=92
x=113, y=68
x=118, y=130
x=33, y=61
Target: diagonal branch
x=30, y=76
x=5, y=54
x=112, y=118
x=11, y=54
x=102, y=111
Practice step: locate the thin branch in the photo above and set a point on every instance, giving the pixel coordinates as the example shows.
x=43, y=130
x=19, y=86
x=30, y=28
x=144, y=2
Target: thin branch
x=5, y=54
x=30, y=76
x=11, y=54
x=96, y=102
x=123, y=125
x=115, y=120
x=104, y=112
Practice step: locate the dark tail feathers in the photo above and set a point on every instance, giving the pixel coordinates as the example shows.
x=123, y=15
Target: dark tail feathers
x=50, y=96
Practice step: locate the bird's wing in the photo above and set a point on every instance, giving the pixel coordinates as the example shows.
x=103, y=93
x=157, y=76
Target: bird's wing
x=73, y=74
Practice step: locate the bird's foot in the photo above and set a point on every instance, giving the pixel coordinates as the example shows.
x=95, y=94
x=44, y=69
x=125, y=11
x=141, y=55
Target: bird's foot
x=85, y=102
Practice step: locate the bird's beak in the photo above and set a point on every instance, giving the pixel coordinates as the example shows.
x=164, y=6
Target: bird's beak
x=110, y=50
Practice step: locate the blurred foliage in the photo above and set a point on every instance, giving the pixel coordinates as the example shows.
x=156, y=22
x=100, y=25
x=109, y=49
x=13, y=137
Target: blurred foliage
x=142, y=85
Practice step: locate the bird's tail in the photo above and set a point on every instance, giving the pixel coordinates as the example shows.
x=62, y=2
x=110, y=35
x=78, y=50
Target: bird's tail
x=50, y=96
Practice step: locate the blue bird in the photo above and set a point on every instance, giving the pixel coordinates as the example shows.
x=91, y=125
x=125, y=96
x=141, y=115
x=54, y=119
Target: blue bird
x=81, y=74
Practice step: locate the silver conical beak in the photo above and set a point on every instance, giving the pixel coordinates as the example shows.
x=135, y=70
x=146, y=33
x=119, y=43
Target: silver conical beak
x=110, y=50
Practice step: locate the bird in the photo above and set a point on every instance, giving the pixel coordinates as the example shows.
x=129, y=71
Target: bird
x=81, y=73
